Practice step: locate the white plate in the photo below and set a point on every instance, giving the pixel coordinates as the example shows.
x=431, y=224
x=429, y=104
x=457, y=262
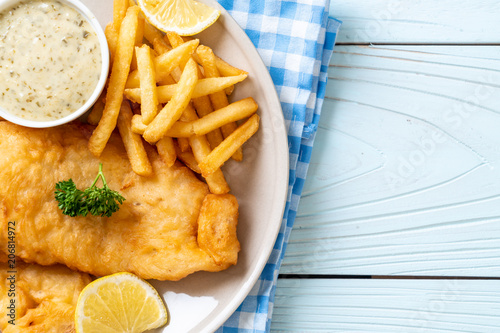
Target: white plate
x=203, y=301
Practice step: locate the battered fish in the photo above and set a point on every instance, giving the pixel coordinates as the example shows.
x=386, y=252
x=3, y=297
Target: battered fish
x=154, y=234
x=45, y=298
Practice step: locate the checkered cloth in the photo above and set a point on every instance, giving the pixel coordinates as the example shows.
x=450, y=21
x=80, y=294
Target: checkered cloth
x=295, y=39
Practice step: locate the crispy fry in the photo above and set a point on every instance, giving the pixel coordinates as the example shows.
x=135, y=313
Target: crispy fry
x=133, y=143
x=188, y=159
x=139, y=36
x=204, y=87
x=176, y=74
x=223, y=67
x=174, y=39
x=148, y=91
x=201, y=148
x=112, y=38
x=219, y=98
x=183, y=144
x=204, y=107
x=151, y=33
x=229, y=90
x=116, y=86
x=233, y=112
x=138, y=125
x=138, y=40
x=119, y=11
x=226, y=69
x=160, y=46
x=181, y=129
x=226, y=149
x=166, y=150
x=165, y=63
x=96, y=113
x=173, y=110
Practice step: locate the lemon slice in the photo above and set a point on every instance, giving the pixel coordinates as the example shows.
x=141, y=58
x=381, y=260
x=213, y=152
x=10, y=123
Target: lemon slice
x=185, y=17
x=120, y=302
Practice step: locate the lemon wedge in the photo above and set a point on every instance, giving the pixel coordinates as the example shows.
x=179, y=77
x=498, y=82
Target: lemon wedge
x=185, y=17
x=120, y=302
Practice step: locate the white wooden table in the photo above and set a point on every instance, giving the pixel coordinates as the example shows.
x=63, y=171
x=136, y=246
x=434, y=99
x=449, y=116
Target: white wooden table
x=398, y=229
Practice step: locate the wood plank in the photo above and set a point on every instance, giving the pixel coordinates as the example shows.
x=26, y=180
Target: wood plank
x=424, y=21
x=404, y=177
x=352, y=305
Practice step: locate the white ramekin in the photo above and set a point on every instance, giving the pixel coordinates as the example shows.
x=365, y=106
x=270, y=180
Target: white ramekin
x=82, y=9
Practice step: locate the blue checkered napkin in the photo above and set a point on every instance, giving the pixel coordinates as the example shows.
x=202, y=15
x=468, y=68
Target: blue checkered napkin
x=295, y=39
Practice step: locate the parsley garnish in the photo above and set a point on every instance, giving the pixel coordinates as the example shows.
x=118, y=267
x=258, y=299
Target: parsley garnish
x=94, y=200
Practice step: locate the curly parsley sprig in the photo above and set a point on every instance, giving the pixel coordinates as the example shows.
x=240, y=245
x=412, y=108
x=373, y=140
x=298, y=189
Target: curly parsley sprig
x=98, y=201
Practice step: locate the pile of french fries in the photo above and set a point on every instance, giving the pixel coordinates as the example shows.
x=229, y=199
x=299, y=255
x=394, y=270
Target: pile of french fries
x=171, y=92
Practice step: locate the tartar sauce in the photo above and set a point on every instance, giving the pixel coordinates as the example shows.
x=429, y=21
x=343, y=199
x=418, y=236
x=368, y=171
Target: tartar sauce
x=50, y=60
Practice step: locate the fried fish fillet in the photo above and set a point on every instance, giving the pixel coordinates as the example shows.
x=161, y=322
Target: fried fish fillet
x=154, y=234
x=36, y=298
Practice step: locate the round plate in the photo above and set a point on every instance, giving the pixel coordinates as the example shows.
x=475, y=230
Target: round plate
x=203, y=301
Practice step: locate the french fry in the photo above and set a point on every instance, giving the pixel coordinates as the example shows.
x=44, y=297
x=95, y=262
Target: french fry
x=138, y=125
x=183, y=144
x=133, y=143
x=233, y=112
x=112, y=38
x=229, y=90
x=165, y=63
x=151, y=33
x=139, y=35
x=188, y=159
x=181, y=129
x=200, y=148
x=174, y=39
x=226, y=69
x=96, y=112
x=226, y=149
x=204, y=107
x=160, y=46
x=204, y=87
x=119, y=11
x=219, y=98
x=148, y=91
x=223, y=67
x=166, y=150
x=138, y=40
x=117, y=80
x=173, y=109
